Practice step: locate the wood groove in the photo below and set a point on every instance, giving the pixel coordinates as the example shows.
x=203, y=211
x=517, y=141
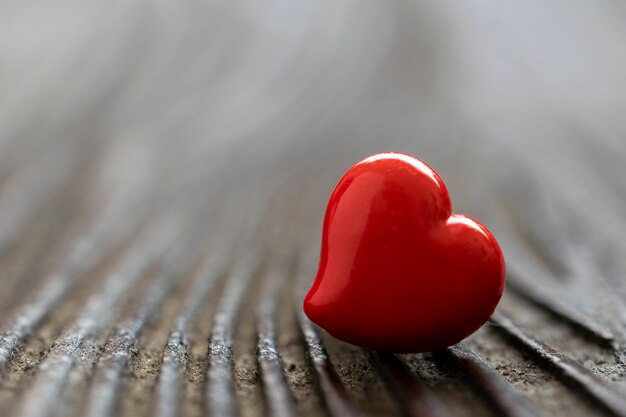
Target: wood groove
x=331, y=388
x=507, y=401
x=279, y=399
x=175, y=354
x=219, y=395
x=567, y=369
x=415, y=397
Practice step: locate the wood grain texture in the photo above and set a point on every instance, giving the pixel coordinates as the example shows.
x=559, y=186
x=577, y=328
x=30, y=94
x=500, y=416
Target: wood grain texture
x=164, y=169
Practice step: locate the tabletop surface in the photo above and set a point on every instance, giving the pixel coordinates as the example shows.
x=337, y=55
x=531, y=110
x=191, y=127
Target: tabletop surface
x=165, y=166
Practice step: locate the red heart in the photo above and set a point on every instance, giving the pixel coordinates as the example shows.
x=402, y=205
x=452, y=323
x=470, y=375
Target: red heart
x=398, y=271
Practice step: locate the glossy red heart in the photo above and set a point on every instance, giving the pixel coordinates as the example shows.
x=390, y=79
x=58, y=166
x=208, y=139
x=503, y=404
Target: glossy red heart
x=398, y=271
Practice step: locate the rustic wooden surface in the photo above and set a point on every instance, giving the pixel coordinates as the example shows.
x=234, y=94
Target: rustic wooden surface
x=164, y=168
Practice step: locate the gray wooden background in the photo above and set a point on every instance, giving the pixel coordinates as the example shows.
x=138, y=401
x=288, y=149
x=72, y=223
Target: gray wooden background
x=165, y=165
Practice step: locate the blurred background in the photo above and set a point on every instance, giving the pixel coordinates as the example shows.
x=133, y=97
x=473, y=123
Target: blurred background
x=164, y=170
